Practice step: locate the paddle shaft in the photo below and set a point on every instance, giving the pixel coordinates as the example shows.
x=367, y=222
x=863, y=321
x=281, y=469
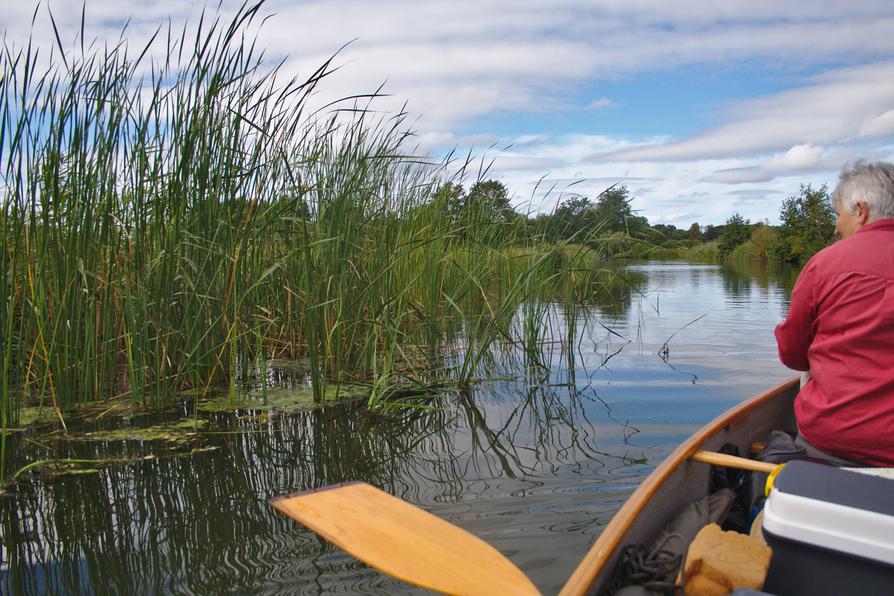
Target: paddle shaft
x=731, y=461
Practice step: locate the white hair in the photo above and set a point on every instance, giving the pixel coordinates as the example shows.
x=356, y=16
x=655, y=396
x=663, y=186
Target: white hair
x=868, y=183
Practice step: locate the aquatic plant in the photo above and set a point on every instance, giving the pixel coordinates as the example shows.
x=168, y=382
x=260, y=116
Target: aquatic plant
x=175, y=217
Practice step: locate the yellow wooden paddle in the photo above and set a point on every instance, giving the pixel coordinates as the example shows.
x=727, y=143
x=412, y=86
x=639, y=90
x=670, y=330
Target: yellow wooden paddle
x=404, y=541
x=732, y=461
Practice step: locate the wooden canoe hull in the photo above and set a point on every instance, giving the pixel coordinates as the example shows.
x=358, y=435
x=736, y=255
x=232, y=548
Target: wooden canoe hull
x=677, y=481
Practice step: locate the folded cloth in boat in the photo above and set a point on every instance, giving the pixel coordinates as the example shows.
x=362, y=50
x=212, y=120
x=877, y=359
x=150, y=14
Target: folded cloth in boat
x=719, y=562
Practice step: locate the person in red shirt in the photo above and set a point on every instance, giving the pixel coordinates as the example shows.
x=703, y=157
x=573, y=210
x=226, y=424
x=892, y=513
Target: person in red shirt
x=840, y=326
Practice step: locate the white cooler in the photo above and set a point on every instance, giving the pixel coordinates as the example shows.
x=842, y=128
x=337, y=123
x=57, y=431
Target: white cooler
x=831, y=531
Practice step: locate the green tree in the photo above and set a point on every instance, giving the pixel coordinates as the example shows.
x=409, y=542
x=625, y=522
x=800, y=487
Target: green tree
x=573, y=219
x=483, y=212
x=808, y=224
x=614, y=214
x=763, y=241
x=669, y=233
x=712, y=232
x=452, y=198
x=736, y=231
x=489, y=201
x=487, y=215
x=695, y=231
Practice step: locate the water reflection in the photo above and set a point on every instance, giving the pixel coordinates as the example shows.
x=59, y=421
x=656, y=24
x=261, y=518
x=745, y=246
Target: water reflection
x=199, y=522
x=615, y=295
x=742, y=281
x=535, y=460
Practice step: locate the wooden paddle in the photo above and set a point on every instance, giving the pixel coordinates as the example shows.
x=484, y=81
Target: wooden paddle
x=732, y=461
x=404, y=541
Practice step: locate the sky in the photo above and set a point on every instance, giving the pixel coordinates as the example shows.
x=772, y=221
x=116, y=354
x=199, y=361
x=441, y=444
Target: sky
x=702, y=109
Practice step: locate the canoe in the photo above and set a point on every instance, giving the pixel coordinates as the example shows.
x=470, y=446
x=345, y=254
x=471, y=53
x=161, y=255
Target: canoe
x=678, y=481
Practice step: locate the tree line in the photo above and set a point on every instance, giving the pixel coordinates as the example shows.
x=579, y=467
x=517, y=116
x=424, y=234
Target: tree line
x=807, y=225
x=609, y=224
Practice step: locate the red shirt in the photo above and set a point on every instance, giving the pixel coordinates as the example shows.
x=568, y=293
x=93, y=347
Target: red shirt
x=840, y=326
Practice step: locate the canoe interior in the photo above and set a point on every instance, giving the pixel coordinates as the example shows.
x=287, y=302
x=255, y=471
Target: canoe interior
x=677, y=482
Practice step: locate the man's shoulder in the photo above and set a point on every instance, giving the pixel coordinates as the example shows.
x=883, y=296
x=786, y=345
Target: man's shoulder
x=828, y=256
x=835, y=250
x=861, y=253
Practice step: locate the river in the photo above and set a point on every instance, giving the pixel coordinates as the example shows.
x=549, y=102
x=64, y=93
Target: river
x=535, y=460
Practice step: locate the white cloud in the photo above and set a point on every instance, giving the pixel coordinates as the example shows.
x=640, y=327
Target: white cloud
x=458, y=60
x=882, y=125
x=839, y=106
x=601, y=103
x=739, y=176
x=434, y=140
x=797, y=160
x=507, y=162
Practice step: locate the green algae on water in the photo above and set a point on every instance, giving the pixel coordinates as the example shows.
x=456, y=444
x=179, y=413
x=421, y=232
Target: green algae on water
x=55, y=468
x=176, y=432
x=33, y=416
x=286, y=400
x=37, y=415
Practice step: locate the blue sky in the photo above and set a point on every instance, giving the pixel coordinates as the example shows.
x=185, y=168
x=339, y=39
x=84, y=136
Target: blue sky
x=701, y=108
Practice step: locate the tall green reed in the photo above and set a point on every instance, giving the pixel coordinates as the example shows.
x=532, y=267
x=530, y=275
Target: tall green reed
x=172, y=217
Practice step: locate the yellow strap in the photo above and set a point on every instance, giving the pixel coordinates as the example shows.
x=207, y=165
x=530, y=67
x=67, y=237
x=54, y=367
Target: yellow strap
x=771, y=479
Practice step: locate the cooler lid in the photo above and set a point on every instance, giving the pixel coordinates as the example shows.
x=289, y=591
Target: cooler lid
x=833, y=508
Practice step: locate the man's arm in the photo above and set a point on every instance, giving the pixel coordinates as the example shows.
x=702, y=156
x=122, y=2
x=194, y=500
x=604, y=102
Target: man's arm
x=795, y=333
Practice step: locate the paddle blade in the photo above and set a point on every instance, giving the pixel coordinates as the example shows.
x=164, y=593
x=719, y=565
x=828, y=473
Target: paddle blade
x=404, y=541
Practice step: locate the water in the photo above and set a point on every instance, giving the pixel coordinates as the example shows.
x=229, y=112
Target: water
x=535, y=462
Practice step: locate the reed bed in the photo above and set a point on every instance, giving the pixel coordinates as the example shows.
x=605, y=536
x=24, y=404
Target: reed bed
x=174, y=217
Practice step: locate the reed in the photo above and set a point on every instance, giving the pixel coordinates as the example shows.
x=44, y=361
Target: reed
x=173, y=219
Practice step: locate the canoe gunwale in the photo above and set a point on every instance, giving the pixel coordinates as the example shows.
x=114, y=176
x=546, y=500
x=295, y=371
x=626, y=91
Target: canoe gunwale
x=603, y=552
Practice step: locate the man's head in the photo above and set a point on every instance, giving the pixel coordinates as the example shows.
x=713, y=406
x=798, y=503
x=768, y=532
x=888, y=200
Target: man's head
x=864, y=193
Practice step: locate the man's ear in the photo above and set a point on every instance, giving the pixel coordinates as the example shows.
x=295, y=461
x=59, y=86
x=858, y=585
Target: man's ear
x=862, y=212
